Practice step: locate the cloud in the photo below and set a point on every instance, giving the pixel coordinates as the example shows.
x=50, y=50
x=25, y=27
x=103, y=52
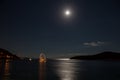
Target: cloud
x=94, y=44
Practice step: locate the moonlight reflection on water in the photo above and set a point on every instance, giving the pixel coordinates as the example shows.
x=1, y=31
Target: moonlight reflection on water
x=66, y=71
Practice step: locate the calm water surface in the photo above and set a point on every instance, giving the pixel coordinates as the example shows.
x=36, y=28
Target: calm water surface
x=60, y=70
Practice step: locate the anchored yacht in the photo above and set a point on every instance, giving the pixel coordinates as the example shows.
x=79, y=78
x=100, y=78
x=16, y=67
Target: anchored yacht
x=42, y=58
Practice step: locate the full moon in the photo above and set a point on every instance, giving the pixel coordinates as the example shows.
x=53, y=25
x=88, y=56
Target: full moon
x=67, y=12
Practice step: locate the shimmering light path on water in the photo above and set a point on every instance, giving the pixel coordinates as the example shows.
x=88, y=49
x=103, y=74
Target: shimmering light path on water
x=60, y=70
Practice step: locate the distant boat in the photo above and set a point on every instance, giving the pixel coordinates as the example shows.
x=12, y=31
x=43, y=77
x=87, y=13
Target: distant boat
x=42, y=58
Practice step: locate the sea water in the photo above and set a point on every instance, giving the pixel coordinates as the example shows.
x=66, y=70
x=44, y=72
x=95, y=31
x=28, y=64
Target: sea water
x=60, y=70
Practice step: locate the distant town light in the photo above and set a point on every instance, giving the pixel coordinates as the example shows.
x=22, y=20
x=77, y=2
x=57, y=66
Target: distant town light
x=30, y=59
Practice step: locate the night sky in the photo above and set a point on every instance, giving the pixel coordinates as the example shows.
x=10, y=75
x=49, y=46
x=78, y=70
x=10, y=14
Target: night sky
x=27, y=26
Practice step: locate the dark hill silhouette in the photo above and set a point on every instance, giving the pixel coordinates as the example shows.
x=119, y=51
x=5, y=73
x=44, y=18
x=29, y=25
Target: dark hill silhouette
x=4, y=54
x=101, y=56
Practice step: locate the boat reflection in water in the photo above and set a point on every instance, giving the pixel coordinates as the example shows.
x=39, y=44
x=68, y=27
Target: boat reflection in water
x=42, y=71
x=0, y=66
x=6, y=70
x=42, y=66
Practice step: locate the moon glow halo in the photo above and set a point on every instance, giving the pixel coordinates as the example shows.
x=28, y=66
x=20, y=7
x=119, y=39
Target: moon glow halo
x=67, y=12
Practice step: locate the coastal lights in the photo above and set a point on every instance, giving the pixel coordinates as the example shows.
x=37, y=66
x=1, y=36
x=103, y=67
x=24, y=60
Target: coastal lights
x=30, y=59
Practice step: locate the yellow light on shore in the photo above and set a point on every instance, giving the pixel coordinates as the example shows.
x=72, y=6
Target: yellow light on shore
x=30, y=59
x=8, y=56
